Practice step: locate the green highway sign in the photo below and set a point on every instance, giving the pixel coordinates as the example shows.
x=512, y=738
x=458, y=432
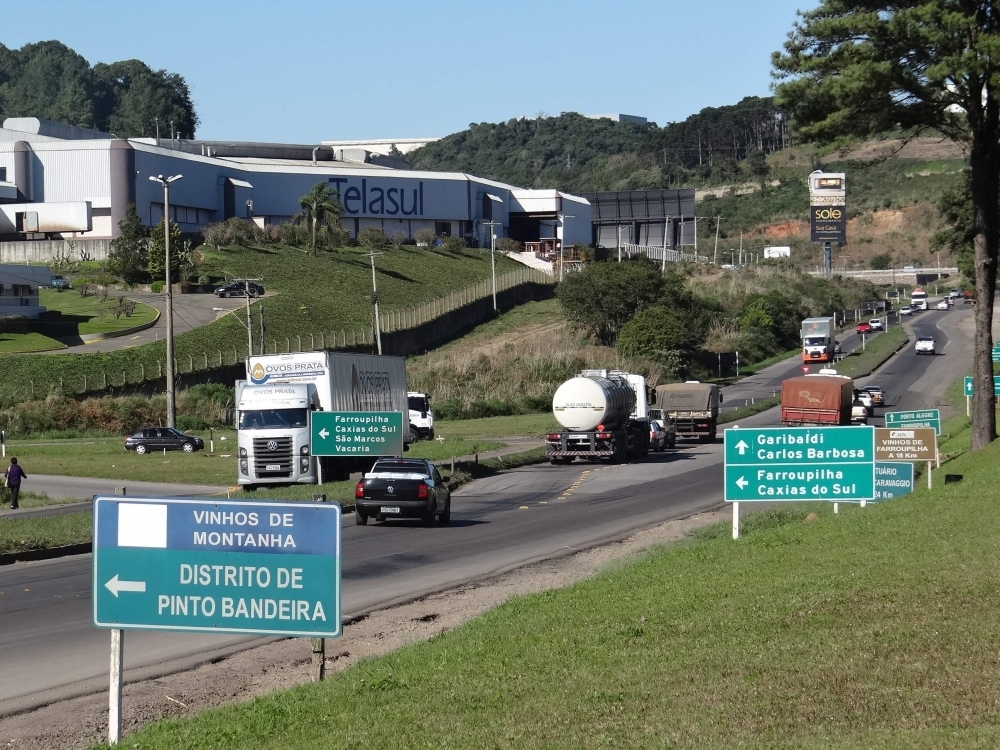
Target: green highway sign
x=996, y=353
x=968, y=385
x=920, y=418
x=893, y=479
x=835, y=464
x=357, y=433
x=217, y=566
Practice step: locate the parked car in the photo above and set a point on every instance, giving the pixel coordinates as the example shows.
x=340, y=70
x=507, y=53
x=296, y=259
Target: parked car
x=925, y=345
x=878, y=397
x=162, y=438
x=906, y=310
x=59, y=283
x=863, y=327
x=943, y=305
x=403, y=488
x=859, y=412
x=239, y=289
x=876, y=324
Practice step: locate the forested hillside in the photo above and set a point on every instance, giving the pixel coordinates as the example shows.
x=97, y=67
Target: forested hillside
x=50, y=80
x=575, y=153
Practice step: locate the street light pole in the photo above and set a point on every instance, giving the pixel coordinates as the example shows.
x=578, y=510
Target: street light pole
x=493, y=263
x=171, y=405
x=715, y=259
x=562, y=242
x=378, y=329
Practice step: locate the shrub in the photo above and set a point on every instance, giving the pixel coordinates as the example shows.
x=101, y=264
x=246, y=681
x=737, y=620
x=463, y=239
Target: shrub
x=372, y=237
x=455, y=244
x=425, y=237
x=508, y=245
x=156, y=287
x=397, y=239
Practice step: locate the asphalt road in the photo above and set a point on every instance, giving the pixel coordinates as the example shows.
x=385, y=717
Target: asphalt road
x=47, y=639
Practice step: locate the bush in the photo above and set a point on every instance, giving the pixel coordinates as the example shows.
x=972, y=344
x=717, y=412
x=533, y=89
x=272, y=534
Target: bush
x=508, y=245
x=156, y=287
x=455, y=244
x=373, y=237
x=186, y=423
x=880, y=262
x=425, y=237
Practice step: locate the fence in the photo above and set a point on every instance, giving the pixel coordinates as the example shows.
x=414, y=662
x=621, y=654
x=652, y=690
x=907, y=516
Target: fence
x=137, y=373
x=656, y=253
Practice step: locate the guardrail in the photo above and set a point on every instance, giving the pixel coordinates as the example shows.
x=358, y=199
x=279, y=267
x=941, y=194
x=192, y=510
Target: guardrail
x=656, y=253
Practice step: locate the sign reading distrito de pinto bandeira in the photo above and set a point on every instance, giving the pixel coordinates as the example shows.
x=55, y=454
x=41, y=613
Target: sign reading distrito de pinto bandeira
x=217, y=566
x=357, y=433
x=799, y=463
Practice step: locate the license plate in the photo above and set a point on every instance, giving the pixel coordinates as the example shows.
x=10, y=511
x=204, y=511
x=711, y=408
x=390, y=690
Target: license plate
x=389, y=509
x=272, y=467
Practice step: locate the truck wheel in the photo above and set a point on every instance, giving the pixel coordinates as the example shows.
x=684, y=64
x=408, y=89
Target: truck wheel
x=360, y=518
x=429, y=515
x=444, y=517
x=414, y=435
x=430, y=434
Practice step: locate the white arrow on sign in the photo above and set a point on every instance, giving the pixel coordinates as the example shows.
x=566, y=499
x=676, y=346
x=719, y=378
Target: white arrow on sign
x=742, y=483
x=114, y=586
x=324, y=434
x=742, y=447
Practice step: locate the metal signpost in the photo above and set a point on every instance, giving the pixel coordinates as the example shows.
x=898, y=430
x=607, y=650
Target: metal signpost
x=357, y=433
x=213, y=566
x=920, y=418
x=893, y=479
x=909, y=444
x=968, y=391
x=773, y=464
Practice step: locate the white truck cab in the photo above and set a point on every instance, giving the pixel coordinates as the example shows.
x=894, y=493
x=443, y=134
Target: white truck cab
x=273, y=433
x=421, y=415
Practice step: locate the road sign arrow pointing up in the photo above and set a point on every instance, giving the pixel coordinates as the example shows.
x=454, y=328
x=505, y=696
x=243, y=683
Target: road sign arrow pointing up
x=324, y=433
x=742, y=447
x=114, y=586
x=742, y=483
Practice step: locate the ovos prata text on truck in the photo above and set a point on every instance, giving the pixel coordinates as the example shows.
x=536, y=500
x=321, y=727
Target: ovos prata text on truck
x=274, y=407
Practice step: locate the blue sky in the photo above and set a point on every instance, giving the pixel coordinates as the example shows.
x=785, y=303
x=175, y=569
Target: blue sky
x=316, y=71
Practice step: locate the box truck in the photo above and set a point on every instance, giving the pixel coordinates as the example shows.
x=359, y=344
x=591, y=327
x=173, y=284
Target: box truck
x=820, y=400
x=275, y=403
x=817, y=339
x=693, y=407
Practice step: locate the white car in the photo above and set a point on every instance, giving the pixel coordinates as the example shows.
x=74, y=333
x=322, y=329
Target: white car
x=859, y=412
x=906, y=310
x=942, y=305
x=954, y=294
x=866, y=398
x=876, y=324
x=925, y=345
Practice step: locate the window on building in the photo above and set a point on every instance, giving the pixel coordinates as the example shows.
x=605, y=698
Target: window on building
x=3, y=174
x=442, y=228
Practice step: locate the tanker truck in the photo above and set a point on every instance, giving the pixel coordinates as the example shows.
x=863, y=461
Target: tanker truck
x=604, y=417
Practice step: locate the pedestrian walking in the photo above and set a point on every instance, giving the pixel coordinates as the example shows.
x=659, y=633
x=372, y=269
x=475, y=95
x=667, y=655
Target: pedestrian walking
x=12, y=479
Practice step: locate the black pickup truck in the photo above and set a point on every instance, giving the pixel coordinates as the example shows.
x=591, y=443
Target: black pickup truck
x=403, y=488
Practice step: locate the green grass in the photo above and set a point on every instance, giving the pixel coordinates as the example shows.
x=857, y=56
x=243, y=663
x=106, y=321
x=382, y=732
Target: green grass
x=23, y=534
x=758, y=366
x=315, y=295
x=90, y=314
x=749, y=410
x=439, y=450
x=874, y=628
x=106, y=458
x=528, y=314
x=17, y=343
x=35, y=500
x=528, y=425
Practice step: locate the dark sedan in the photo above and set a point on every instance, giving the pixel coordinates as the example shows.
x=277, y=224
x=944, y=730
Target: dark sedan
x=162, y=438
x=239, y=289
x=403, y=488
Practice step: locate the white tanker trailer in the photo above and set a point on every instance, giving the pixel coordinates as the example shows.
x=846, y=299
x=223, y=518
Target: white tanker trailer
x=604, y=416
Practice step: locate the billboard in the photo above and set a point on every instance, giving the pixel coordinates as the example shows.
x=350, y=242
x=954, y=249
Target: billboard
x=828, y=207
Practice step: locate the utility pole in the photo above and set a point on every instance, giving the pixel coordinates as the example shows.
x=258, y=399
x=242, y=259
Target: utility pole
x=741, y=247
x=619, y=227
x=246, y=285
x=378, y=330
x=562, y=243
x=171, y=405
x=493, y=264
x=718, y=220
x=666, y=224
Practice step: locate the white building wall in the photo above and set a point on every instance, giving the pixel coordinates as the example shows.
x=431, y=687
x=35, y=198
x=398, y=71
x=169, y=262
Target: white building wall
x=72, y=171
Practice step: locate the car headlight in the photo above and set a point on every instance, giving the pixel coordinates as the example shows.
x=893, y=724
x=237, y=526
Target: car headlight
x=304, y=450
x=243, y=452
x=244, y=467
x=304, y=464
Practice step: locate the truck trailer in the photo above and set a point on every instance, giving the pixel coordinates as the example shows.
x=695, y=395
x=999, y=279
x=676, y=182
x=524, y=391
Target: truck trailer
x=818, y=343
x=275, y=403
x=604, y=417
x=693, y=407
x=817, y=400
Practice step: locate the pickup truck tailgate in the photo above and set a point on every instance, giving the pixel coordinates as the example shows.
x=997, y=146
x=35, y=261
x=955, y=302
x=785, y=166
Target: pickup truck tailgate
x=392, y=487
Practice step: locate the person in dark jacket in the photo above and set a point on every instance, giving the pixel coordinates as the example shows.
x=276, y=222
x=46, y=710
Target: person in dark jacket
x=13, y=477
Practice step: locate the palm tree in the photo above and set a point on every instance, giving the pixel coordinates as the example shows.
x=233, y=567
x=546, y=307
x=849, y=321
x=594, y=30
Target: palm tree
x=320, y=205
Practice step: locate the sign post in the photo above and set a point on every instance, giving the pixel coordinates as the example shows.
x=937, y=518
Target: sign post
x=213, y=566
x=356, y=433
x=774, y=464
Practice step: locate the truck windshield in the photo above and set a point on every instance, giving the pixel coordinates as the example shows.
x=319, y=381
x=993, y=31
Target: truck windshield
x=815, y=341
x=418, y=403
x=271, y=419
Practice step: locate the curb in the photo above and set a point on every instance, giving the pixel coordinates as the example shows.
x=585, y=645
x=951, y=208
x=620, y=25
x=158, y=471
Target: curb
x=92, y=338
x=31, y=555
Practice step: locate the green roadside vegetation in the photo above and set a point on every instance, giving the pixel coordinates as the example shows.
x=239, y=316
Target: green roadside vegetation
x=36, y=500
x=873, y=628
x=749, y=410
x=879, y=349
x=521, y=425
x=15, y=343
x=322, y=294
x=25, y=534
x=765, y=363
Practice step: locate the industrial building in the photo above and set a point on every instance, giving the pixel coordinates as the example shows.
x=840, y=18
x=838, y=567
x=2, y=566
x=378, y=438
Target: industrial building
x=655, y=218
x=64, y=182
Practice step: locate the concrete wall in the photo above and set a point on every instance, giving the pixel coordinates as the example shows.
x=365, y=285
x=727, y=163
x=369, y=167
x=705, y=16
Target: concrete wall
x=44, y=251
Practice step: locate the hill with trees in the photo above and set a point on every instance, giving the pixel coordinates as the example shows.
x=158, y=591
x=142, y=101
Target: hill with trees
x=576, y=153
x=50, y=80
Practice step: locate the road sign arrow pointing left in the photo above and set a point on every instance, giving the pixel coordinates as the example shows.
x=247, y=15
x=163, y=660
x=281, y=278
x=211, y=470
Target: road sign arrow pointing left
x=742, y=447
x=114, y=586
x=324, y=433
x=742, y=483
